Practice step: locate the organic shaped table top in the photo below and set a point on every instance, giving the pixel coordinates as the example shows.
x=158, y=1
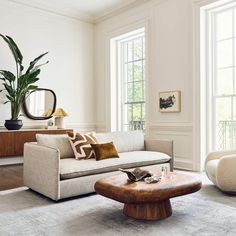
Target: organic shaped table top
x=141, y=198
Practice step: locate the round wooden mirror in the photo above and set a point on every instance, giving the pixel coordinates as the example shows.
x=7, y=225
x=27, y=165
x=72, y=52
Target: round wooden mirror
x=40, y=105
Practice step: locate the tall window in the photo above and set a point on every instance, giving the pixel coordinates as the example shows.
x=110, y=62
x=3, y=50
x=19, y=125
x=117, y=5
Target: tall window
x=222, y=61
x=131, y=60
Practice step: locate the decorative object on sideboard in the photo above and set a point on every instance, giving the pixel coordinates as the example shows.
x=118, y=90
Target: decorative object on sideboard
x=51, y=125
x=137, y=174
x=59, y=115
x=19, y=85
x=40, y=104
x=170, y=101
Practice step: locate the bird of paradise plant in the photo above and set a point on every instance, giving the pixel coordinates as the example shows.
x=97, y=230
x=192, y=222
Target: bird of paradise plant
x=20, y=84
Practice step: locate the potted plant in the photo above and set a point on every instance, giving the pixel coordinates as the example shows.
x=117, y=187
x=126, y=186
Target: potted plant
x=18, y=85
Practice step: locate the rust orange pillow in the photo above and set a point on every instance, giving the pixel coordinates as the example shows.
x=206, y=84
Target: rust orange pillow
x=104, y=151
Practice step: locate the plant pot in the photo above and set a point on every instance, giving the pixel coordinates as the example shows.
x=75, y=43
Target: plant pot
x=13, y=124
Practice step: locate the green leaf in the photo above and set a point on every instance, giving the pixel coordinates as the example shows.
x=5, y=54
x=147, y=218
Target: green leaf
x=8, y=75
x=17, y=87
x=32, y=63
x=9, y=89
x=28, y=78
x=38, y=66
x=10, y=98
x=14, y=49
x=32, y=87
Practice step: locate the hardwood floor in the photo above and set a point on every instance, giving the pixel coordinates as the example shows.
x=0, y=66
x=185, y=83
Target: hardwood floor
x=11, y=176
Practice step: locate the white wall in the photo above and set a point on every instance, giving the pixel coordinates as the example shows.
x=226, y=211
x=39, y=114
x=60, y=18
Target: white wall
x=172, y=35
x=70, y=46
x=171, y=58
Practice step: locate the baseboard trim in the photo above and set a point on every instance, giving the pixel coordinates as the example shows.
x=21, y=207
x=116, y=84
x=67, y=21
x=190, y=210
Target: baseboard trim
x=10, y=161
x=183, y=162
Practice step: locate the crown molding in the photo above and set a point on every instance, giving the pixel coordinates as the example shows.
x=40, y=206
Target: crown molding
x=58, y=10
x=122, y=7
x=79, y=15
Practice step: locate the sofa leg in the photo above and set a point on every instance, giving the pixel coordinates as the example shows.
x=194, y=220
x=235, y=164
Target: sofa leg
x=171, y=165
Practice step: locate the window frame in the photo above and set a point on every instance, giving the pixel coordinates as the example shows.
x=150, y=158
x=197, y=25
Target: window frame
x=120, y=84
x=213, y=68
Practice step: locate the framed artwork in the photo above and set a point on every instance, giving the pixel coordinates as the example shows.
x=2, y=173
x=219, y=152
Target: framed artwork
x=170, y=101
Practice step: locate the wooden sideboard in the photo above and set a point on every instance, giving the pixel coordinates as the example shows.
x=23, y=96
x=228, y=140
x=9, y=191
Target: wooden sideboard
x=12, y=142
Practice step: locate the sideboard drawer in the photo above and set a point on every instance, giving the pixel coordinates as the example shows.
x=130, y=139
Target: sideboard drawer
x=7, y=144
x=20, y=139
x=12, y=142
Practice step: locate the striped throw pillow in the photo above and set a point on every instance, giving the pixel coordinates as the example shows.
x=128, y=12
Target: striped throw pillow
x=80, y=144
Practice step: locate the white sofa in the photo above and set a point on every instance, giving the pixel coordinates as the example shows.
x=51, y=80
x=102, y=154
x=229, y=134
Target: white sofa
x=221, y=170
x=57, y=178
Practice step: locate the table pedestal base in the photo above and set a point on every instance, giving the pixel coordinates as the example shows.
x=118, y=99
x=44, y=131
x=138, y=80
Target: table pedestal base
x=149, y=211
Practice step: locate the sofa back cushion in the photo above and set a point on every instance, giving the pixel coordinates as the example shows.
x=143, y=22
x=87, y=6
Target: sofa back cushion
x=57, y=141
x=124, y=141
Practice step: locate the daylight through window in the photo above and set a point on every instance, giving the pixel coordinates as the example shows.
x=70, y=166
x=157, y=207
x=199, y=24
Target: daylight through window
x=132, y=79
x=223, y=54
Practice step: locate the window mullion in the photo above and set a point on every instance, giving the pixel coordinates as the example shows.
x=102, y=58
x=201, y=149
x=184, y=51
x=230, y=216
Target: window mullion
x=223, y=110
x=233, y=45
x=133, y=70
x=232, y=108
x=132, y=109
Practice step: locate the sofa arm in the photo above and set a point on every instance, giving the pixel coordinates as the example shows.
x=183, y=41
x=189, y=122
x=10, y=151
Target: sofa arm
x=41, y=169
x=165, y=146
x=217, y=155
x=226, y=174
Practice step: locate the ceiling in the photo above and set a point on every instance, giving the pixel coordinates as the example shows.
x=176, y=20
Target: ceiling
x=91, y=7
x=89, y=10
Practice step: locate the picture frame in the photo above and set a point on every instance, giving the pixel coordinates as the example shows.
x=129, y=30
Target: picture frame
x=170, y=101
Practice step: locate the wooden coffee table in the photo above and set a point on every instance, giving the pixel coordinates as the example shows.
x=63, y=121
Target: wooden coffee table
x=147, y=201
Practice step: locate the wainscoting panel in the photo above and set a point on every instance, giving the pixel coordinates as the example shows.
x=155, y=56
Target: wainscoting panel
x=101, y=127
x=181, y=134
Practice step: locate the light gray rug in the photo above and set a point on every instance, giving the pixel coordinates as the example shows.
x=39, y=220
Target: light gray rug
x=24, y=212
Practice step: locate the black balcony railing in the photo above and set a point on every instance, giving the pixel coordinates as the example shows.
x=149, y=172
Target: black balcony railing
x=226, y=138
x=136, y=125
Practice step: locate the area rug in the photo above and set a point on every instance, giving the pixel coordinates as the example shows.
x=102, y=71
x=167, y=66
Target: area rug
x=24, y=212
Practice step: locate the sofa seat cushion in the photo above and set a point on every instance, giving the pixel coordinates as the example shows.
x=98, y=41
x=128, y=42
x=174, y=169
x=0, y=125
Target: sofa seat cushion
x=71, y=168
x=211, y=167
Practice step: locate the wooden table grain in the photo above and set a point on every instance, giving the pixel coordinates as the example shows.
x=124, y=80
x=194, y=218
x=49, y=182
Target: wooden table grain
x=147, y=201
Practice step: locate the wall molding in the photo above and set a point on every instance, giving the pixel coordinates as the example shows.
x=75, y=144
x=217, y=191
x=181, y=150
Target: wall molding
x=179, y=132
x=183, y=162
x=11, y=160
x=57, y=10
x=83, y=16
x=101, y=127
x=177, y=127
x=120, y=8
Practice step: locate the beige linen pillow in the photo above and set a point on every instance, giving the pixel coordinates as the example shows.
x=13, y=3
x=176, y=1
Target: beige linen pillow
x=57, y=141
